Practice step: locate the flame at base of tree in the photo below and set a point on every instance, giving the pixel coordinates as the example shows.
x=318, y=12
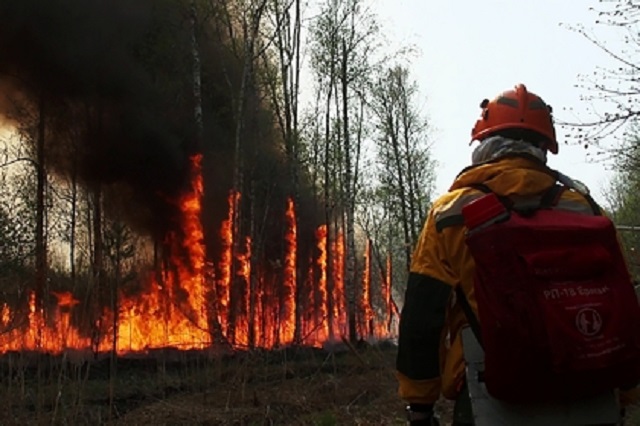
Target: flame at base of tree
x=339, y=315
x=179, y=307
x=321, y=320
x=290, y=277
x=365, y=324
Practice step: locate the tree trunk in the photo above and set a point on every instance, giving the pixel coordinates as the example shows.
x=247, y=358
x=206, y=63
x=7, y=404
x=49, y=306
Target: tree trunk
x=350, y=271
x=401, y=189
x=41, y=181
x=295, y=162
x=41, y=245
x=367, y=289
x=197, y=79
x=73, y=224
x=115, y=284
x=212, y=308
x=411, y=198
x=247, y=71
x=389, y=289
x=288, y=44
x=97, y=268
x=328, y=210
x=252, y=269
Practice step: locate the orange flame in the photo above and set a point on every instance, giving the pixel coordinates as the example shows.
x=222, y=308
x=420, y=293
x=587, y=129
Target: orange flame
x=392, y=308
x=322, y=320
x=224, y=283
x=191, y=275
x=384, y=328
x=290, y=284
x=258, y=319
x=5, y=315
x=172, y=311
x=52, y=336
x=339, y=301
x=66, y=299
x=242, y=319
x=366, y=312
x=147, y=321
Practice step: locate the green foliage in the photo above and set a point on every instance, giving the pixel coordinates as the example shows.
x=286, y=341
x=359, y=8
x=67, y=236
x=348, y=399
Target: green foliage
x=623, y=198
x=404, y=172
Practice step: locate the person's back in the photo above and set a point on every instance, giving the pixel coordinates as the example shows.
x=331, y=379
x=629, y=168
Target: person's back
x=515, y=132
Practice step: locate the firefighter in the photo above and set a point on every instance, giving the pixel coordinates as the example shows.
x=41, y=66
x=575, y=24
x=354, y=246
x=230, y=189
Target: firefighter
x=516, y=132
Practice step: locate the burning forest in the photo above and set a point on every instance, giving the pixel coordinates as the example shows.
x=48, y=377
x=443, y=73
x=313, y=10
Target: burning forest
x=107, y=102
x=263, y=315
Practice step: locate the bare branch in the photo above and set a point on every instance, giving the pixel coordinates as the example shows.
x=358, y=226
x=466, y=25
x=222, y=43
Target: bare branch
x=20, y=160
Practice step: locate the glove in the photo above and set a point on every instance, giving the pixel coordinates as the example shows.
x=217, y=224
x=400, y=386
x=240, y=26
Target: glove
x=421, y=415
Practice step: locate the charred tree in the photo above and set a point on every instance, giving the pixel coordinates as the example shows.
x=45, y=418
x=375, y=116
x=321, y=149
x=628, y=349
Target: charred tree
x=284, y=88
x=97, y=268
x=41, y=181
x=250, y=25
x=73, y=219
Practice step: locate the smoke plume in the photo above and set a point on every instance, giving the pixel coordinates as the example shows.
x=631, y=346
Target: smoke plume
x=114, y=81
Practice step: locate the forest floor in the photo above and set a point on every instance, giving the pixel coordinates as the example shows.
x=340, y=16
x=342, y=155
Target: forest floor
x=296, y=386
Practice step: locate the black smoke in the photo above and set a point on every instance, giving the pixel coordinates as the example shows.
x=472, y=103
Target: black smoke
x=114, y=79
x=91, y=67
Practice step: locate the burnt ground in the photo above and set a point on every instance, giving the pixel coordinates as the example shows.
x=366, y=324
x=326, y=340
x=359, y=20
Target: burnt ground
x=296, y=386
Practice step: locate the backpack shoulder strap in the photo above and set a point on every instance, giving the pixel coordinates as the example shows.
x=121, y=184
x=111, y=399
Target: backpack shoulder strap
x=552, y=196
x=597, y=211
x=481, y=187
x=549, y=198
x=468, y=312
x=580, y=188
x=506, y=201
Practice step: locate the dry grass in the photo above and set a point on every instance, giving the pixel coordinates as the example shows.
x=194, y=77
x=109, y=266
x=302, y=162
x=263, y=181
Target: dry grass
x=293, y=387
x=332, y=389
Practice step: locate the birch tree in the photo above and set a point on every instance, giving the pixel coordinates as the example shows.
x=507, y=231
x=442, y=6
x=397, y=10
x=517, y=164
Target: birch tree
x=405, y=167
x=243, y=21
x=343, y=40
x=284, y=87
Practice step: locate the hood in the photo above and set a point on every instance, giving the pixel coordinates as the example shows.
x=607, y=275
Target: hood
x=496, y=147
x=508, y=167
x=512, y=167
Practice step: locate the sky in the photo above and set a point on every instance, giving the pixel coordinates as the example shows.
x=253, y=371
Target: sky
x=469, y=50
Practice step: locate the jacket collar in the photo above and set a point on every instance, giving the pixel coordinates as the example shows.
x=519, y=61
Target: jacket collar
x=516, y=173
x=496, y=147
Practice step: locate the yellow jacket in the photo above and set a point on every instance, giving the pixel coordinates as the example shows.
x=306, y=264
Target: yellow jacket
x=430, y=360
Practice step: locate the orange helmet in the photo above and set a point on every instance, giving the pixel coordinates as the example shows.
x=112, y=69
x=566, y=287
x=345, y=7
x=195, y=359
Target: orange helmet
x=516, y=109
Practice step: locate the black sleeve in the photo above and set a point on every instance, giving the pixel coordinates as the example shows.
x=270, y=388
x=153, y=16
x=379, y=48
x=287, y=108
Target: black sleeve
x=421, y=323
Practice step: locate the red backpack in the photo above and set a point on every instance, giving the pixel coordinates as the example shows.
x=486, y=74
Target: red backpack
x=558, y=317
